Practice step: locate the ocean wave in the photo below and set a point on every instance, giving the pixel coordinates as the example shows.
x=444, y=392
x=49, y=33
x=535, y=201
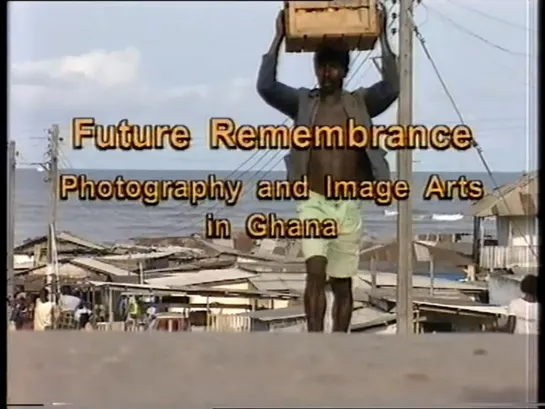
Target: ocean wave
x=389, y=213
x=447, y=217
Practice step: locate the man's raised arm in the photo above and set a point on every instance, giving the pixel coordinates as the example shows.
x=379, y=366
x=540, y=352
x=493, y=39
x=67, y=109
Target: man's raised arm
x=381, y=95
x=279, y=96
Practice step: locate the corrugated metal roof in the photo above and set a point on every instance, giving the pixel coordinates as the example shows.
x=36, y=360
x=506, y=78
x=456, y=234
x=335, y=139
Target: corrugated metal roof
x=361, y=318
x=370, y=316
x=293, y=282
x=62, y=236
x=272, y=267
x=486, y=309
x=277, y=314
x=202, y=277
x=137, y=256
x=522, y=271
x=513, y=199
x=64, y=270
x=390, y=280
x=97, y=265
x=278, y=285
x=422, y=252
x=208, y=291
x=66, y=236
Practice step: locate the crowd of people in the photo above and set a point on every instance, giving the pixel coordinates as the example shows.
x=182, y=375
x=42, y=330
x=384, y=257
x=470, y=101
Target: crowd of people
x=40, y=313
x=72, y=311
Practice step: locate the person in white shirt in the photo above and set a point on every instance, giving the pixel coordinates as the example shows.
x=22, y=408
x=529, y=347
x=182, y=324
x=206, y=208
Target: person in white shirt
x=523, y=312
x=67, y=301
x=43, y=312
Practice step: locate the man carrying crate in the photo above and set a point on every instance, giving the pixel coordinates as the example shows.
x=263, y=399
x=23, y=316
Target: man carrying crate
x=331, y=105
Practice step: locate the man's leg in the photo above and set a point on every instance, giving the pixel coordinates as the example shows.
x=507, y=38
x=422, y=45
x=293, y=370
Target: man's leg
x=343, y=303
x=314, y=298
x=315, y=253
x=343, y=261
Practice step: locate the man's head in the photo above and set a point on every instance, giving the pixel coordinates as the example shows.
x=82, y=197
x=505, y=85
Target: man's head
x=331, y=66
x=44, y=295
x=528, y=285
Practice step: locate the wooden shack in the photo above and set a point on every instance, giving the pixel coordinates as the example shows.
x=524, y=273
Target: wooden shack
x=68, y=245
x=515, y=209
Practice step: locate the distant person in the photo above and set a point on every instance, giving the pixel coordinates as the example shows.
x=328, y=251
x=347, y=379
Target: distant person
x=68, y=304
x=524, y=311
x=67, y=301
x=19, y=292
x=133, y=313
x=83, y=315
x=43, y=312
x=19, y=312
x=10, y=306
x=151, y=314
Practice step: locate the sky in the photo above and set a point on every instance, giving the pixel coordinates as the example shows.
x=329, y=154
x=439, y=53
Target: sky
x=185, y=62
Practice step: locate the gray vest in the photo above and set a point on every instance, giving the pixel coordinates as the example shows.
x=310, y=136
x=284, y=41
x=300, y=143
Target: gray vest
x=297, y=160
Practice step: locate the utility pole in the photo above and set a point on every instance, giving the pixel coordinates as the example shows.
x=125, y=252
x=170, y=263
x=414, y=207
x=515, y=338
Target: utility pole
x=404, y=308
x=53, y=180
x=12, y=153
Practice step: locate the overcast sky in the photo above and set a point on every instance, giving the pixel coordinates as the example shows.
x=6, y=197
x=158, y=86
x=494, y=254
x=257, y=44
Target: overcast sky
x=184, y=62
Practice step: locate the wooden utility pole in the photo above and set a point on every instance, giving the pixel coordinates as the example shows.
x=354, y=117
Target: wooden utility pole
x=53, y=180
x=404, y=309
x=12, y=153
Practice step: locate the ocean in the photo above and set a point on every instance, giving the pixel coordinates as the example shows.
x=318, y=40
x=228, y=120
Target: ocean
x=108, y=221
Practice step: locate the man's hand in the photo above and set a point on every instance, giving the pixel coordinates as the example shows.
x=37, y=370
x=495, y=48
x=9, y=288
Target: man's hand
x=280, y=25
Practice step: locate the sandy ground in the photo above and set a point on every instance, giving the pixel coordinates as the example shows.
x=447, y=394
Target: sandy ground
x=206, y=370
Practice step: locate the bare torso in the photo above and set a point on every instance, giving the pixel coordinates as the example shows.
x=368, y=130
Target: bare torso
x=341, y=164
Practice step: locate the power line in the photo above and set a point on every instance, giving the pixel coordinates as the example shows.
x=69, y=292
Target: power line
x=477, y=147
x=473, y=34
x=490, y=17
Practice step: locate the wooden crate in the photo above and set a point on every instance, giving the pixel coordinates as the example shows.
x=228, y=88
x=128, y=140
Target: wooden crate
x=354, y=23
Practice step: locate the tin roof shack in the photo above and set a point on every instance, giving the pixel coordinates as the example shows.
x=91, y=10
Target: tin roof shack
x=68, y=245
x=211, y=321
x=450, y=316
x=228, y=279
x=448, y=310
x=515, y=208
x=277, y=319
x=72, y=272
x=292, y=319
x=135, y=261
x=431, y=255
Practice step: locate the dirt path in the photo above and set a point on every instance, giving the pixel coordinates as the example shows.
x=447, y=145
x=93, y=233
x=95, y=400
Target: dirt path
x=266, y=370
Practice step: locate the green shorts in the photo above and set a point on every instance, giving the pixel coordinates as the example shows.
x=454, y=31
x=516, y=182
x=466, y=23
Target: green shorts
x=343, y=252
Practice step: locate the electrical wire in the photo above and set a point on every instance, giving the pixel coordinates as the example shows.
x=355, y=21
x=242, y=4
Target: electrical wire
x=473, y=34
x=490, y=17
x=456, y=108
